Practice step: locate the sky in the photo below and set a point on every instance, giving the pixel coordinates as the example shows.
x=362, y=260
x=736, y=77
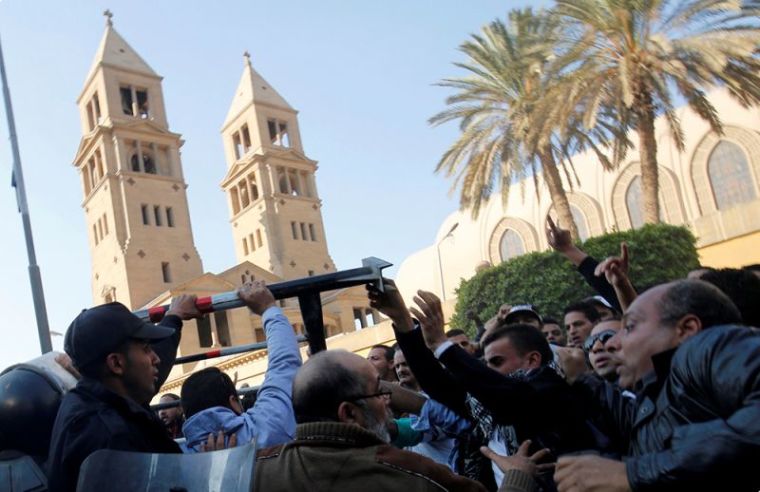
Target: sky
x=361, y=74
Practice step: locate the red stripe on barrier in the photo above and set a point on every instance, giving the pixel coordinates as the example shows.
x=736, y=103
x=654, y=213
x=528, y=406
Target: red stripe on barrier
x=156, y=313
x=204, y=304
x=214, y=353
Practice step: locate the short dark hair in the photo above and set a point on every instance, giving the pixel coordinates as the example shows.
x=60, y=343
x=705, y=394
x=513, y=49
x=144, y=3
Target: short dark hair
x=701, y=299
x=455, y=332
x=206, y=388
x=550, y=321
x=742, y=287
x=173, y=396
x=525, y=338
x=754, y=267
x=318, y=393
x=588, y=310
x=387, y=351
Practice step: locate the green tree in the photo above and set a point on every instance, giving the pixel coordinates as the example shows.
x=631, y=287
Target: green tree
x=500, y=141
x=659, y=253
x=630, y=58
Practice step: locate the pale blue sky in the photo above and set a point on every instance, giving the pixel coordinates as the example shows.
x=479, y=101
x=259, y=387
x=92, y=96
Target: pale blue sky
x=360, y=73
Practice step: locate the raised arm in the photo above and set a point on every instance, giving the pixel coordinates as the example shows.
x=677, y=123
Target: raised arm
x=182, y=308
x=497, y=393
x=434, y=380
x=560, y=241
x=273, y=411
x=615, y=271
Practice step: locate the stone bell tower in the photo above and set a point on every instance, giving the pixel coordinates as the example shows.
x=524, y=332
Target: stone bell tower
x=135, y=203
x=275, y=209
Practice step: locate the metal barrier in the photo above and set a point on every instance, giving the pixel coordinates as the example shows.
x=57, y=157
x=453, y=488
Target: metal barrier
x=307, y=291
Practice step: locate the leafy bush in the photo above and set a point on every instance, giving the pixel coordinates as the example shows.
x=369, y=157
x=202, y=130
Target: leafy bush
x=658, y=253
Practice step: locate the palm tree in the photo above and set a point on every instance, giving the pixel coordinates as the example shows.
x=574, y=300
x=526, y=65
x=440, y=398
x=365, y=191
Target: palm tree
x=500, y=142
x=631, y=58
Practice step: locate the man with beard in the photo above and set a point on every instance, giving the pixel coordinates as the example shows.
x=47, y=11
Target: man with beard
x=342, y=436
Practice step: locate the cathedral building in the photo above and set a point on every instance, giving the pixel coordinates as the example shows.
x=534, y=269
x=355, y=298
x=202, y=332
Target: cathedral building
x=137, y=214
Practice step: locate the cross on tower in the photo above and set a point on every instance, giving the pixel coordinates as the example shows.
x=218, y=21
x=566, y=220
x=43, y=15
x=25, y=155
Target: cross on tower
x=109, y=15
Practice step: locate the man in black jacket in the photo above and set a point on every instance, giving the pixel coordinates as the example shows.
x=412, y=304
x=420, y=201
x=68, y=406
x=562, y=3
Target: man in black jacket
x=123, y=361
x=695, y=424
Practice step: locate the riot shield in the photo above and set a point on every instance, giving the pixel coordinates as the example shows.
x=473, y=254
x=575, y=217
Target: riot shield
x=19, y=473
x=125, y=471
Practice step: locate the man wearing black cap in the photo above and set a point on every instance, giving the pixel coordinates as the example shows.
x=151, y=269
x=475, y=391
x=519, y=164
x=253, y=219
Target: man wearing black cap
x=123, y=361
x=525, y=314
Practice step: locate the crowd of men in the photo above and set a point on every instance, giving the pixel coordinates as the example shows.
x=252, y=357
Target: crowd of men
x=628, y=391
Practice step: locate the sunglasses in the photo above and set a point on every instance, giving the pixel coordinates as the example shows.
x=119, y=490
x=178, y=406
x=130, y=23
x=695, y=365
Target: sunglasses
x=601, y=337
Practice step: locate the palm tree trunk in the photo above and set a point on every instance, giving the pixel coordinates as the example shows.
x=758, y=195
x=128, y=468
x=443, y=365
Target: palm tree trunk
x=557, y=192
x=650, y=185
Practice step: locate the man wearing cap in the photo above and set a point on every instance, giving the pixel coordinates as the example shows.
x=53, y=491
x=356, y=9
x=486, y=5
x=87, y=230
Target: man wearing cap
x=123, y=361
x=523, y=314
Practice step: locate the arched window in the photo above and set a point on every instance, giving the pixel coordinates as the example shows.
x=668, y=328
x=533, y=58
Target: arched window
x=633, y=203
x=580, y=221
x=511, y=244
x=730, y=176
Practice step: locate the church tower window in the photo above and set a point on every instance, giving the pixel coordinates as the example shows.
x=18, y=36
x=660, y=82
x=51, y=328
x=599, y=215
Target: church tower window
x=254, y=187
x=278, y=133
x=295, y=185
x=166, y=272
x=134, y=102
x=282, y=180
x=149, y=163
x=241, y=141
x=157, y=215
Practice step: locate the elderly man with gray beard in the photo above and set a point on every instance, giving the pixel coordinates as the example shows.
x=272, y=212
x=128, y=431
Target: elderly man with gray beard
x=342, y=436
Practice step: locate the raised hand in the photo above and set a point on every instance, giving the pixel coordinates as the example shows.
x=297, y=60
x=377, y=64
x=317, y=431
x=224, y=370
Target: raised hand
x=503, y=312
x=559, y=239
x=256, y=296
x=562, y=242
x=615, y=268
x=184, y=307
x=430, y=316
x=391, y=304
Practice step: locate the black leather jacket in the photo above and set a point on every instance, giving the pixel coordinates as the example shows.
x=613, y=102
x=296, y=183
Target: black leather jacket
x=695, y=424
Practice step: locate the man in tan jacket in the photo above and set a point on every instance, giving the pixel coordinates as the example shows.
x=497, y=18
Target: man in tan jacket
x=342, y=437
